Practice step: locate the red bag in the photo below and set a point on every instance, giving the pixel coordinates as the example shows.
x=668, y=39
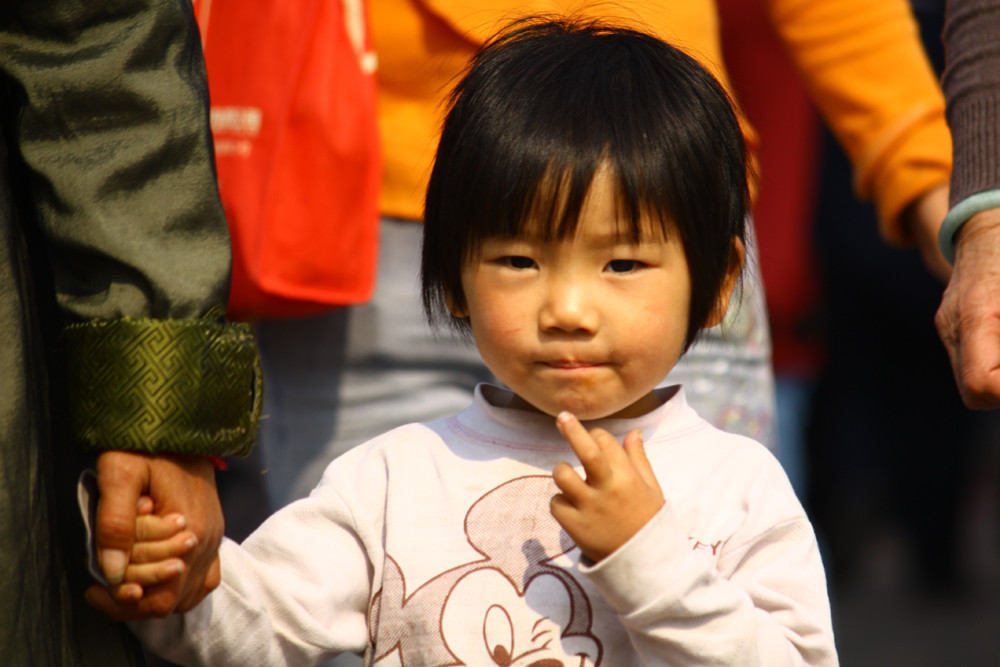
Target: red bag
x=292, y=89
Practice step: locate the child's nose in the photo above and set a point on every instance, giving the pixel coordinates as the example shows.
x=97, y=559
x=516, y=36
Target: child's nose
x=567, y=308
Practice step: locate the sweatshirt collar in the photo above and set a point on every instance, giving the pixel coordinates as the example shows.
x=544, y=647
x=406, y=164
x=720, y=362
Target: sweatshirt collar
x=523, y=428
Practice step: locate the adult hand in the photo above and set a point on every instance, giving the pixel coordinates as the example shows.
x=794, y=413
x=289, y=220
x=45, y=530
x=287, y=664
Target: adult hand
x=181, y=485
x=968, y=319
x=921, y=221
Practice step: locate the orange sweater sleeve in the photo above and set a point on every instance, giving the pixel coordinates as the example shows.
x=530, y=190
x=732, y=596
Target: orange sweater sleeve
x=866, y=70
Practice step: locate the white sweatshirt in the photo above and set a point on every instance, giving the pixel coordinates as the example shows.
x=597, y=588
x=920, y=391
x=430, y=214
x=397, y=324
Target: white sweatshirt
x=433, y=545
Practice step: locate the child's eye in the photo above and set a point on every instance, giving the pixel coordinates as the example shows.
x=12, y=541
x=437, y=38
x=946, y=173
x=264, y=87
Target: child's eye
x=516, y=262
x=623, y=265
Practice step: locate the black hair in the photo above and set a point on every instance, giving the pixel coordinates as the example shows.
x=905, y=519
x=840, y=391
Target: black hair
x=543, y=106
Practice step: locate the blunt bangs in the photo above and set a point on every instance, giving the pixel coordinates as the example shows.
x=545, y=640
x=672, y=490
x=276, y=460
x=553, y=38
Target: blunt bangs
x=548, y=103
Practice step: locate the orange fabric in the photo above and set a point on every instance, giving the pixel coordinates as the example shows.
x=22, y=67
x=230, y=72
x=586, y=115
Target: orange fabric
x=297, y=153
x=862, y=61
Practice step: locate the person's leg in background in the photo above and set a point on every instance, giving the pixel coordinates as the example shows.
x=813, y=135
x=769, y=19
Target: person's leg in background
x=339, y=379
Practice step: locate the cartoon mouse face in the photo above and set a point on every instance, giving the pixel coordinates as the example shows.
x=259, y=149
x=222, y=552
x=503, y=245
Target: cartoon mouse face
x=487, y=622
x=513, y=608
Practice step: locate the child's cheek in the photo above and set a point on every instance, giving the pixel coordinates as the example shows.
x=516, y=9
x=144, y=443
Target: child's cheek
x=503, y=321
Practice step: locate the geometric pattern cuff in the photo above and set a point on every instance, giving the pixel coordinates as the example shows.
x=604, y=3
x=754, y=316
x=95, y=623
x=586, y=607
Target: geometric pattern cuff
x=191, y=386
x=960, y=214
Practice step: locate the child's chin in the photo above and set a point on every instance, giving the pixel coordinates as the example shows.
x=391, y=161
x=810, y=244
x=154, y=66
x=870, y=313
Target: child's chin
x=582, y=411
x=586, y=410
x=632, y=410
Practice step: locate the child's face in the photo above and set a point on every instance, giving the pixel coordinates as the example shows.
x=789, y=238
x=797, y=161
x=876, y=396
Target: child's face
x=589, y=324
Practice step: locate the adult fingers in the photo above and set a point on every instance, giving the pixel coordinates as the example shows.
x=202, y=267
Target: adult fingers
x=125, y=607
x=976, y=364
x=208, y=583
x=121, y=478
x=970, y=331
x=100, y=597
x=144, y=506
x=187, y=486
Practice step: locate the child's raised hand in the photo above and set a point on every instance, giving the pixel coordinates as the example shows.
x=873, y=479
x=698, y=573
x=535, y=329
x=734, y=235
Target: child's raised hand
x=160, y=542
x=618, y=497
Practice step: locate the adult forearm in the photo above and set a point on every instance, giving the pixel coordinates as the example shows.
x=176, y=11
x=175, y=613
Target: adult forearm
x=972, y=90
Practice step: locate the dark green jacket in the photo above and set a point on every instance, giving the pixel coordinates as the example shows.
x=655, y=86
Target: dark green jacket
x=113, y=250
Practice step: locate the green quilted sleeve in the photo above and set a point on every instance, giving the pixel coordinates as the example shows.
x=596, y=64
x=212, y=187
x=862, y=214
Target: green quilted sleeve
x=190, y=386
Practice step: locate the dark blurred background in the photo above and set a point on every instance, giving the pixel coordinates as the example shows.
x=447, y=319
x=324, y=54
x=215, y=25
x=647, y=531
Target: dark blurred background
x=898, y=477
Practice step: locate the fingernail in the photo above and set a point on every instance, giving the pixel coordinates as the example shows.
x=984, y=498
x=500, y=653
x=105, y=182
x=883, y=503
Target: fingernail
x=130, y=593
x=190, y=542
x=564, y=417
x=114, y=562
x=180, y=521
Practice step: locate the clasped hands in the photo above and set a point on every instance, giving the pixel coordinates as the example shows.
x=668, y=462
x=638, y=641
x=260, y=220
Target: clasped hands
x=159, y=526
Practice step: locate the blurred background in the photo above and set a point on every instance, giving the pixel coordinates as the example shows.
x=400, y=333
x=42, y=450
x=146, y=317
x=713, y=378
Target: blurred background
x=899, y=478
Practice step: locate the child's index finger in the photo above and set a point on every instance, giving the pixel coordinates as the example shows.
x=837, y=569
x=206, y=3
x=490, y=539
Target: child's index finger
x=595, y=465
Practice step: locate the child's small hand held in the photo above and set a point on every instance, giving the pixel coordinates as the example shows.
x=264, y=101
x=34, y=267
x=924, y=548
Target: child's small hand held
x=160, y=543
x=618, y=497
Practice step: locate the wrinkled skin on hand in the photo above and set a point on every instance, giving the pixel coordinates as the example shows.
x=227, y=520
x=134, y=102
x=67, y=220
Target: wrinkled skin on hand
x=176, y=485
x=968, y=319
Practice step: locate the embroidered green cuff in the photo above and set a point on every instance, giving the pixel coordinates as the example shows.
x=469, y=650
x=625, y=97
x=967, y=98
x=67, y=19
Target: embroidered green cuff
x=163, y=386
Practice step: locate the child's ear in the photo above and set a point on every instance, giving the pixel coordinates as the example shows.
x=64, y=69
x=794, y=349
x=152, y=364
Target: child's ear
x=737, y=256
x=457, y=311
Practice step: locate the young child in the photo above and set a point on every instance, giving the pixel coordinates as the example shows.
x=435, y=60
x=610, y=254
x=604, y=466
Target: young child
x=584, y=221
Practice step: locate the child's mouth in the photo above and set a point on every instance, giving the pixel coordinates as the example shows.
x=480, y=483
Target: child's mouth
x=571, y=364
